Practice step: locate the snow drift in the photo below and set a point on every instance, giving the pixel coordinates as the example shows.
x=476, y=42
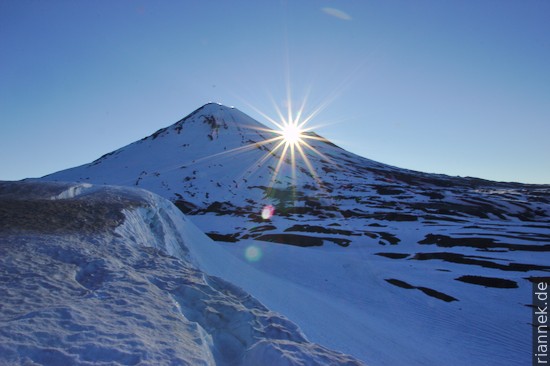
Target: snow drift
x=103, y=276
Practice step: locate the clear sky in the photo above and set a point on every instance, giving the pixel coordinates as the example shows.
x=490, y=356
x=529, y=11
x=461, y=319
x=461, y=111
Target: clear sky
x=453, y=87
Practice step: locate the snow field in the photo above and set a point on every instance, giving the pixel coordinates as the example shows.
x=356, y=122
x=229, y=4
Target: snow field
x=105, y=296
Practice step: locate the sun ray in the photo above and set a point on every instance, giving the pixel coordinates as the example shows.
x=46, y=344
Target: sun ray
x=310, y=167
x=293, y=161
x=261, y=161
x=278, y=167
x=239, y=149
x=279, y=113
x=323, y=156
x=301, y=122
x=269, y=154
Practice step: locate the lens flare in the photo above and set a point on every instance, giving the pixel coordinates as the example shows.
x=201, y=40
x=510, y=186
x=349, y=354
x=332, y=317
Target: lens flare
x=267, y=212
x=252, y=253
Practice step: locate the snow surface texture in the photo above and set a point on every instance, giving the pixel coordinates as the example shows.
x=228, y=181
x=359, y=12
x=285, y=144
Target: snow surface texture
x=401, y=267
x=103, y=276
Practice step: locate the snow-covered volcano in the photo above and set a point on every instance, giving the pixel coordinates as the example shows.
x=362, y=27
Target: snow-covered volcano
x=215, y=157
x=402, y=266
x=218, y=160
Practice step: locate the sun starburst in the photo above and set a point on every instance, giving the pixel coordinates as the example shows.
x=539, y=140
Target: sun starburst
x=292, y=145
x=291, y=134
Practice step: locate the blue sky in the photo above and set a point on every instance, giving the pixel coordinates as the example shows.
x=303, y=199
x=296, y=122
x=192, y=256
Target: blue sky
x=453, y=87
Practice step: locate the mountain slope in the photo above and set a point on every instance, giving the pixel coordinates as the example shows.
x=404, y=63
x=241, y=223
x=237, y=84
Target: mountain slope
x=217, y=160
x=104, y=276
x=422, y=261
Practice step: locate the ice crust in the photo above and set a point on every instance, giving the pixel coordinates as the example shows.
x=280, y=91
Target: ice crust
x=125, y=294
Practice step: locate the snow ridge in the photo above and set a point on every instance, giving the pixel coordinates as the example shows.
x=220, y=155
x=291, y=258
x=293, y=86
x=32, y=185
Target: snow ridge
x=115, y=287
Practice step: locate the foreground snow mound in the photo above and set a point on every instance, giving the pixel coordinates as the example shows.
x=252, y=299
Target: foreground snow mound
x=103, y=276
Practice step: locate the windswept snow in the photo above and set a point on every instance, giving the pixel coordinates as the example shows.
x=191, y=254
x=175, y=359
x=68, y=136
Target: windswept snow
x=72, y=191
x=102, y=276
x=386, y=264
x=340, y=299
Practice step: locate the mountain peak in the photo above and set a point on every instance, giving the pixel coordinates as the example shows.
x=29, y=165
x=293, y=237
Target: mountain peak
x=217, y=114
x=214, y=107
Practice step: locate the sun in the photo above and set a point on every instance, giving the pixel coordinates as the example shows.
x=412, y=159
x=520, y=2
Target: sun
x=292, y=144
x=291, y=134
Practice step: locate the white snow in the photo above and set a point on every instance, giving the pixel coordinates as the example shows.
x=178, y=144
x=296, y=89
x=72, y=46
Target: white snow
x=340, y=300
x=72, y=191
x=89, y=280
x=215, y=161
